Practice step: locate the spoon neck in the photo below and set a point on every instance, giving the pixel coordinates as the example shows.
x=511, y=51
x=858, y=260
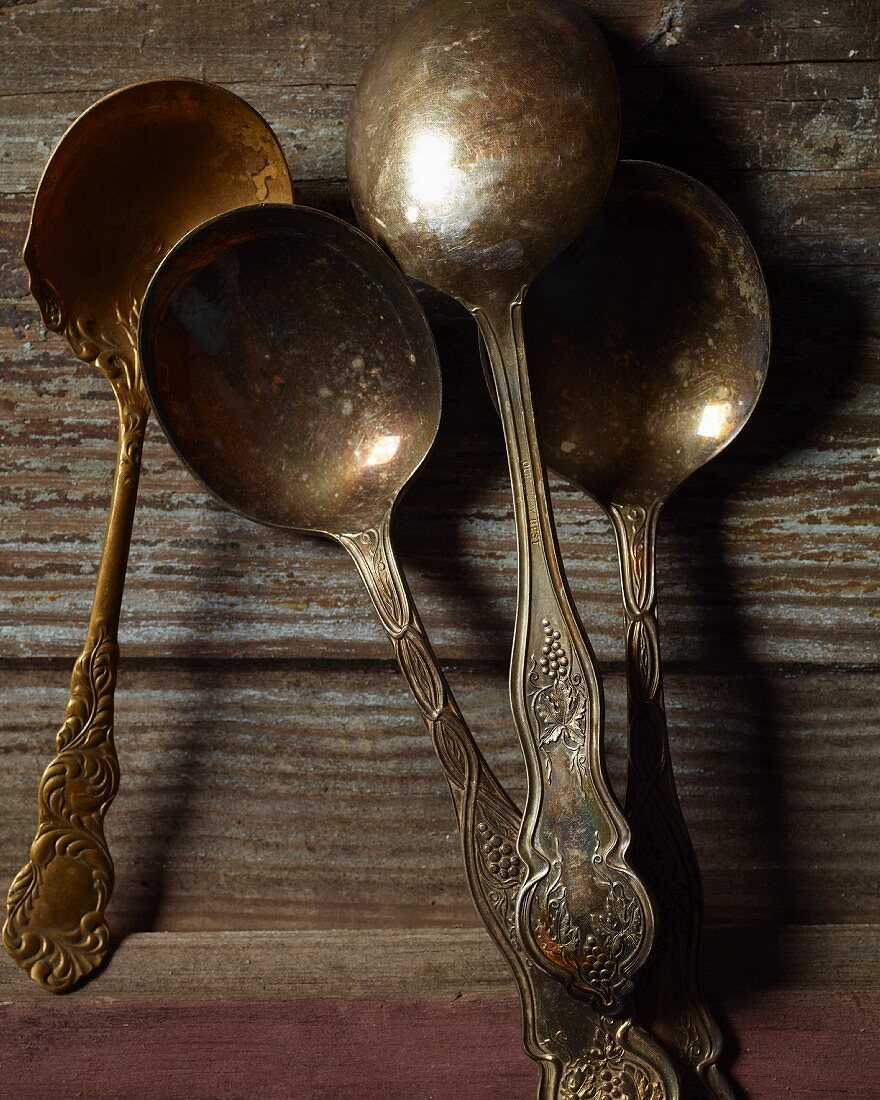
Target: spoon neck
x=502, y=331
x=635, y=529
x=543, y=588
x=117, y=540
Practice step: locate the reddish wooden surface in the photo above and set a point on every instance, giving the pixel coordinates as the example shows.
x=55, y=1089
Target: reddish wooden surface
x=809, y=1044
x=420, y=1015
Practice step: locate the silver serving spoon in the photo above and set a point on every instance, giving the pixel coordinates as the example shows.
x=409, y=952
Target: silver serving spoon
x=295, y=374
x=483, y=137
x=650, y=339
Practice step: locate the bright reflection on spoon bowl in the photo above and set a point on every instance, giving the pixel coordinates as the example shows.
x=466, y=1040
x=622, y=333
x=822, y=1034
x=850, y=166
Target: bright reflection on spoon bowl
x=649, y=338
x=292, y=368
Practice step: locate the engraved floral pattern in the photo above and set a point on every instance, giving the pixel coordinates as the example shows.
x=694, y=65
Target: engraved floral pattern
x=607, y=1072
x=561, y=707
x=596, y=949
x=70, y=867
x=75, y=791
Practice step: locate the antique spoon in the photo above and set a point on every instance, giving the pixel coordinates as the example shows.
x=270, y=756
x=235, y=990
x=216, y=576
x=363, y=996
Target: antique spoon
x=650, y=338
x=483, y=136
x=294, y=372
x=130, y=177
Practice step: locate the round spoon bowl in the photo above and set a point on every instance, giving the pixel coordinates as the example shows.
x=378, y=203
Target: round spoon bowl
x=482, y=138
x=133, y=175
x=292, y=368
x=649, y=338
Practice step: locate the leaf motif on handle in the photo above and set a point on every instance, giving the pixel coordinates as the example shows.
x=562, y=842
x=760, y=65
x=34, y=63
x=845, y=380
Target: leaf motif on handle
x=49, y=301
x=109, y=344
x=449, y=741
x=596, y=949
x=55, y=927
x=70, y=871
x=562, y=705
x=489, y=824
x=366, y=549
x=421, y=673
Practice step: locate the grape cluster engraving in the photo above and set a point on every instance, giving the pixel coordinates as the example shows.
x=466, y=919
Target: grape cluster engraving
x=606, y=1072
x=489, y=822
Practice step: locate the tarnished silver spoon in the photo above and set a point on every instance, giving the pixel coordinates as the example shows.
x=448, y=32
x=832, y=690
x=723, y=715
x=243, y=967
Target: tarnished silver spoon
x=131, y=176
x=650, y=340
x=482, y=139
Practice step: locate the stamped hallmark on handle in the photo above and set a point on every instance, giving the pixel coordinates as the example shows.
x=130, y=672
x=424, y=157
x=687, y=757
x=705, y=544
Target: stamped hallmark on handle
x=532, y=503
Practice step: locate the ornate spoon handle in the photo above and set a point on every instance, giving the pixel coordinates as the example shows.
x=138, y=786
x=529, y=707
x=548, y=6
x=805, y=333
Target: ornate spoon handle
x=669, y=999
x=582, y=913
x=55, y=928
x=573, y=1044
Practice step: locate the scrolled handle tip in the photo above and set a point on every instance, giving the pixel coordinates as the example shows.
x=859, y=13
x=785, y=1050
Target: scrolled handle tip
x=55, y=928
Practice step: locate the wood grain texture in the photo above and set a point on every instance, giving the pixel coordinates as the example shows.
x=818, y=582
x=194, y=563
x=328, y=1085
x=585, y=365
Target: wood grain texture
x=446, y=962
x=269, y=749
x=423, y=1048
x=770, y=551
x=308, y=795
x=426, y=1016
x=770, y=554
x=326, y=43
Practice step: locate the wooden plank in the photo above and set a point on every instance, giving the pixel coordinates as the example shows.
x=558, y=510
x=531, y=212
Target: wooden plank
x=53, y=46
x=798, y=117
x=416, y=1014
x=422, y=1048
x=783, y=117
x=437, y=962
x=770, y=553
x=300, y=796
x=733, y=32
x=809, y=219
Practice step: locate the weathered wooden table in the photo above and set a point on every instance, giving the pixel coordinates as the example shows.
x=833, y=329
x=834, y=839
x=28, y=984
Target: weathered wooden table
x=273, y=943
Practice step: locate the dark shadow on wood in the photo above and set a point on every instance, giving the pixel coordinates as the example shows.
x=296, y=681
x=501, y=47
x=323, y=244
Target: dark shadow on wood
x=140, y=889
x=812, y=371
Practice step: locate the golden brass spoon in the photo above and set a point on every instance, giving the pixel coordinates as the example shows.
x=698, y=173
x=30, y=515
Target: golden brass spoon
x=483, y=136
x=650, y=338
x=130, y=177
x=295, y=374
